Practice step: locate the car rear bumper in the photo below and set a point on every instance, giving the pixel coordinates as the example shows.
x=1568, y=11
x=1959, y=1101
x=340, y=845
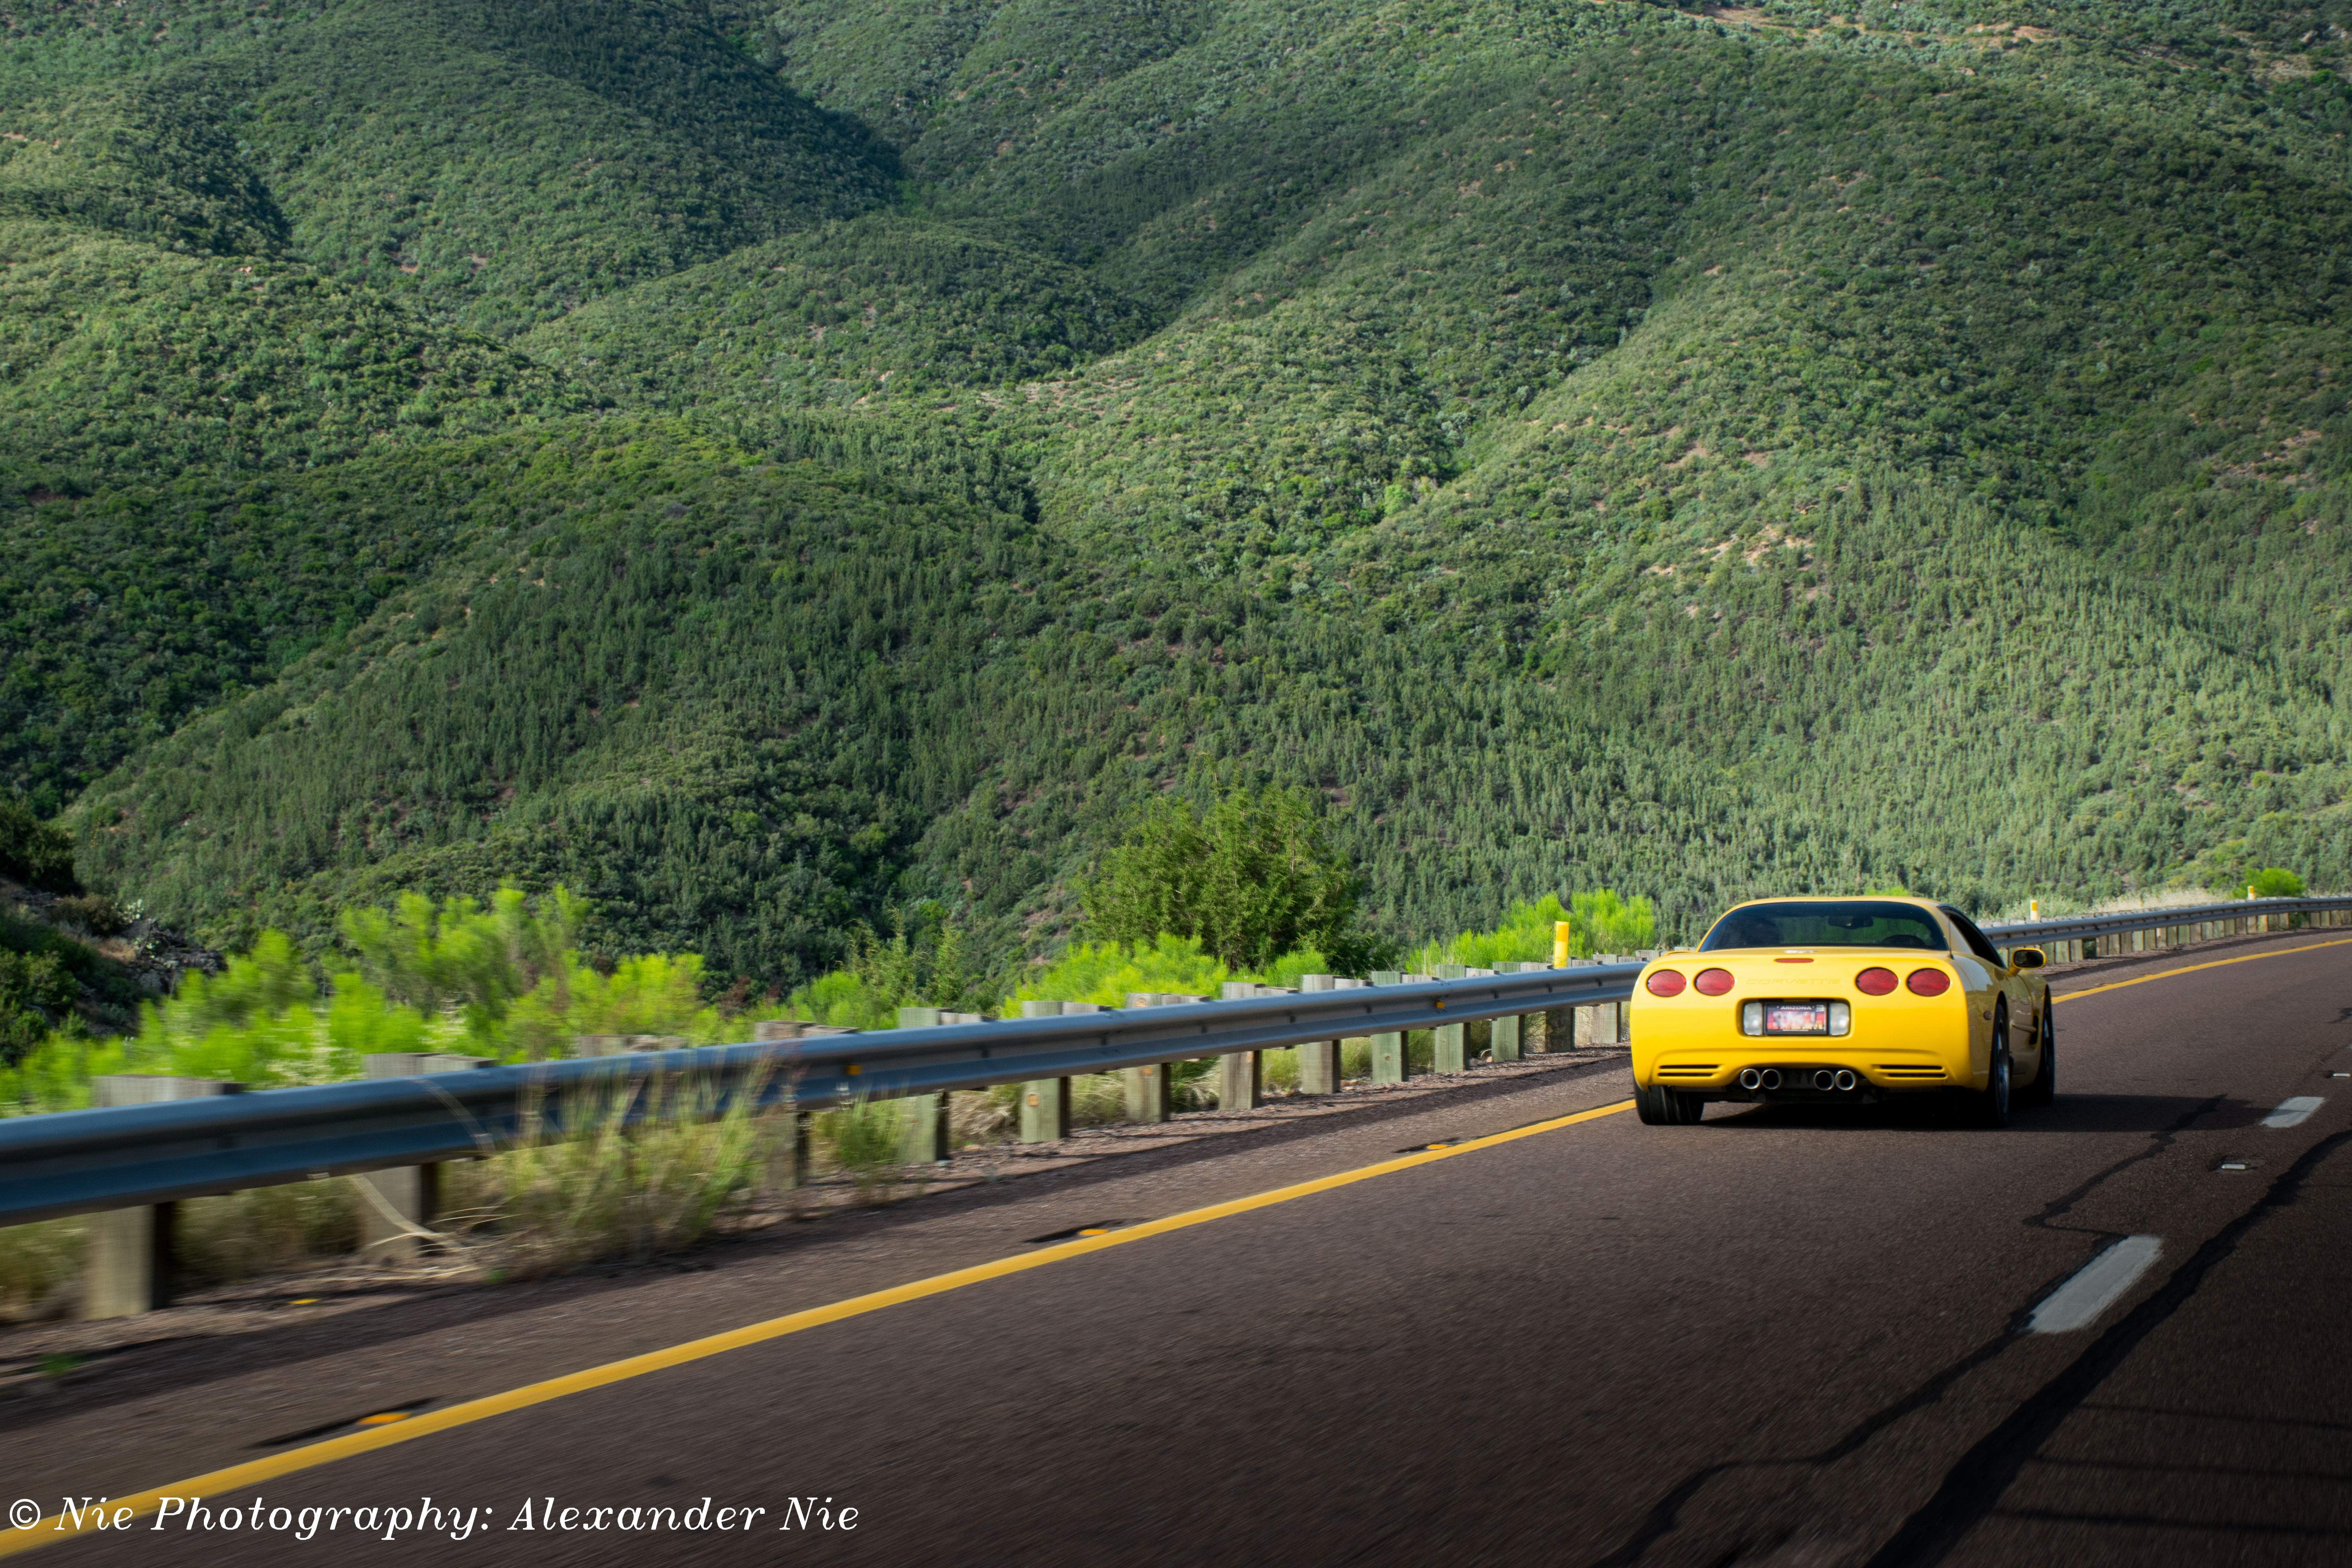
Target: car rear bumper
x=1719, y=1074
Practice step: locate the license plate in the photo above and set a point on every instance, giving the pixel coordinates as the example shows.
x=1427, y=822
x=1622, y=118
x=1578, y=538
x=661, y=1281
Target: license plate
x=1796, y=1018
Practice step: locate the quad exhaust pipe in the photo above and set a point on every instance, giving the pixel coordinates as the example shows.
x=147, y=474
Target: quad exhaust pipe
x=1753, y=1079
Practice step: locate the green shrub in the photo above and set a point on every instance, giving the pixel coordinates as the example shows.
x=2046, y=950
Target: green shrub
x=33, y=852
x=1252, y=877
x=93, y=912
x=642, y=1166
x=2273, y=882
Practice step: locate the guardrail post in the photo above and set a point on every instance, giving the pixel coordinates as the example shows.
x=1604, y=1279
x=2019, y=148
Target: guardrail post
x=1587, y=1027
x=1389, y=1062
x=1148, y=1096
x=1046, y=1101
x=1241, y=1075
x=923, y=1134
x=1478, y=1034
x=128, y=1261
x=1449, y=1043
x=1504, y=1035
x=1319, y=1061
x=411, y=1191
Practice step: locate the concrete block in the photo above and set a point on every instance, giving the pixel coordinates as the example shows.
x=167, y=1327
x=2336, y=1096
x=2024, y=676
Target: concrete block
x=129, y=1264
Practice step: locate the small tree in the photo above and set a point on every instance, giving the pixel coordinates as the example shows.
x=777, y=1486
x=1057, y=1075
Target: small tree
x=1252, y=879
x=33, y=852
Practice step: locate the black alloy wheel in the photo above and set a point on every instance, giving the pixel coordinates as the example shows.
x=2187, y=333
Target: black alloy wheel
x=2044, y=1086
x=1991, y=1106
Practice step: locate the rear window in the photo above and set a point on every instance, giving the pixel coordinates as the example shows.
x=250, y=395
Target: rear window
x=1827, y=922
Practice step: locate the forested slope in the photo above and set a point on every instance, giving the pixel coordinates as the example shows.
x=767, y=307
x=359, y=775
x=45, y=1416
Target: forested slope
x=763, y=467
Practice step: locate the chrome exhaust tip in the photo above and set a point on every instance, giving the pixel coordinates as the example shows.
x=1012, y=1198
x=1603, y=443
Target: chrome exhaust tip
x=1768, y=1078
x=1751, y=1079
x=1845, y=1081
x=1825, y=1079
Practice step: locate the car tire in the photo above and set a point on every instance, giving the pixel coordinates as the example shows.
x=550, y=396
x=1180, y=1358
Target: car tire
x=2044, y=1086
x=1663, y=1107
x=1990, y=1105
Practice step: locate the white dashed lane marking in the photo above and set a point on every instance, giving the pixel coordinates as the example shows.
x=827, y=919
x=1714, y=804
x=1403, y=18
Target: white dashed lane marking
x=2077, y=1303
x=2291, y=1112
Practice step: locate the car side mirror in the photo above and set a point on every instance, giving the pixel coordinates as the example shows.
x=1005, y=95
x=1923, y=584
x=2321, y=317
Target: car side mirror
x=2027, y=957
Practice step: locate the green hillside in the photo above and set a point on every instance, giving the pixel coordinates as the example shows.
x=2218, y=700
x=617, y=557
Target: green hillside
x=760, y=467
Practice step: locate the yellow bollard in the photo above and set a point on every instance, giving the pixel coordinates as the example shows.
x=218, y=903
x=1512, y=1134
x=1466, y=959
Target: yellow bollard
x=1559, y=943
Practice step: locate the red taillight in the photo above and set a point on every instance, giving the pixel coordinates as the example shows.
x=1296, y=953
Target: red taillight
x=1879, y=981
x=1928, y=983
x=1713, y=982
x=1666, y=982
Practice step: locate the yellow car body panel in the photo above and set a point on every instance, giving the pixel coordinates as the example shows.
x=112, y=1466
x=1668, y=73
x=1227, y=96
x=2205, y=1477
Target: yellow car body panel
x=1897, y=1044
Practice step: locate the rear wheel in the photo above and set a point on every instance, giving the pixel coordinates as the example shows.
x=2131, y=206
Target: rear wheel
x=1663, y=1107
x=1990, y=1103
x=2044, y=1086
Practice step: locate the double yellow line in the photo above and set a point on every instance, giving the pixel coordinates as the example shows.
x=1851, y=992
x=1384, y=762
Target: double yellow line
x=238, y=1477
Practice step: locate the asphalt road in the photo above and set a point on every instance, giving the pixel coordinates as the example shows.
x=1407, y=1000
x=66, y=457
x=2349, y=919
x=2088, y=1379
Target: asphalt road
x=1774, y=1338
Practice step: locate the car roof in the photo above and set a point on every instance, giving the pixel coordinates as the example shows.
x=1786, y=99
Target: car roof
x=1839, y=899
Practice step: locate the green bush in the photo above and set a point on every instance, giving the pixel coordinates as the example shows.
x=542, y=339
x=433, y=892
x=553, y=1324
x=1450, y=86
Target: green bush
x=36, y=853
x=1251, y=878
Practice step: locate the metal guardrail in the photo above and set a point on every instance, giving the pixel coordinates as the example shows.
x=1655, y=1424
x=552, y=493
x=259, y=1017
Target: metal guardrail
x=82, y=1161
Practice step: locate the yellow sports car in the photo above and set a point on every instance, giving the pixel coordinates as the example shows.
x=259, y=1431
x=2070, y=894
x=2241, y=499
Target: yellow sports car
x=1842, y=1001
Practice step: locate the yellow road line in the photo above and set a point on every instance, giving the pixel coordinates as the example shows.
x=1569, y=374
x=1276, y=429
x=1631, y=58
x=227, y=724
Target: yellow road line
x=424, y=1425
x=2191, y=969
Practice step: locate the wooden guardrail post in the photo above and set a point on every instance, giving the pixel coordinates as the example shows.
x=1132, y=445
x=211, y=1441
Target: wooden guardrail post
x=1319, y=1061
x=1389, y=1062
x=1600, y=1023
x=1046, y=1101
x=923, y=1135
x=1478, y=1034
x=1449, y=1043
x=1504, y=1035
x=128, y=1263
x=409, y=1193
x=1241, y=1075
x=1150, y=1099
x=788, y=1168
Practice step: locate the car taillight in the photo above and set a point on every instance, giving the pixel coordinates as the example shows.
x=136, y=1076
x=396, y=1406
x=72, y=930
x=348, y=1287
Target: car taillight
x=1666, y=982
x=1878, y=981
x=1928, y=983
x=1713, y=983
